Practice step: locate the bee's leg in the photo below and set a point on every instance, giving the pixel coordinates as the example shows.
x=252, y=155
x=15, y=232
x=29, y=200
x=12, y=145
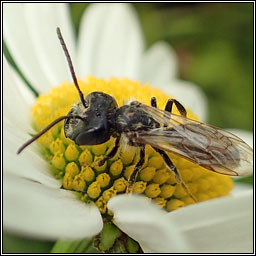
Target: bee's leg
x=178, y=177
x=153, y=102
x=111, y=153
x=168, y=162
x=137, y=168
x=181, y=109
x=169, y=104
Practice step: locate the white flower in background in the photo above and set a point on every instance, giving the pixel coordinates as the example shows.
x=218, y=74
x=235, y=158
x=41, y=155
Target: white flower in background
x=110, y=44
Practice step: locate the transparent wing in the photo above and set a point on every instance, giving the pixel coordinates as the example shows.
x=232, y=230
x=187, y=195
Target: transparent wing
x=210, y=147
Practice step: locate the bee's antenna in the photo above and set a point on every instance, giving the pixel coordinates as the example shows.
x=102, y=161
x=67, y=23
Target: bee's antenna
x=45, y=130
x=70, y=66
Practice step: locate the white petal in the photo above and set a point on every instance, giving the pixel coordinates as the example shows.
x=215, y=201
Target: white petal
x=29, y=164
x=43, y=35
x=246, y=136
x=241, y=187
x=147, y=224
x=190, y=95
x=16, y=126
x=35, y=210
x=17, y=100
x=20, y=45
x=222, y=225
x=38, y=54
x=110, y=41
x=159, y=65
x=23, y=89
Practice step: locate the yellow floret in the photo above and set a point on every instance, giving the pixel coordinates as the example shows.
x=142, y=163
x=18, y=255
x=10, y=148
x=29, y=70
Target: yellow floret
x=109, y=193
x=139, y=187
x=99, y=149
x=147, y=173
x=59, y=161
x=94, y=190
x=161, y=202
x=167, y=190
x=72, y=169
x=103, y=179
x=116, y=168
x=174, y=204
x=88, y=173
x=79, y=183
x=120, y=184
x=152, y=190
x=57, y=146
x=85, y=157
x=71, y=153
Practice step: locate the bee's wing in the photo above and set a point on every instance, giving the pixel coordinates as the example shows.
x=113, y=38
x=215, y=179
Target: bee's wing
x=210, y=147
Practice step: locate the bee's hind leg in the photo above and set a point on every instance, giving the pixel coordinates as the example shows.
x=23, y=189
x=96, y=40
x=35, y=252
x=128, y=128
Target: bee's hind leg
x=167, y=160
x=136, y=170
x=172, y=167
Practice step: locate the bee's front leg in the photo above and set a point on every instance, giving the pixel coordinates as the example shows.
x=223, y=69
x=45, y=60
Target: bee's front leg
x=153, y=102
x=111, y=153
x=169, y=104
x=136, y=170
x=179, y=106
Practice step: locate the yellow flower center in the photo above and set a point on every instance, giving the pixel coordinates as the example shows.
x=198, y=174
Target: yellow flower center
x=77, y=165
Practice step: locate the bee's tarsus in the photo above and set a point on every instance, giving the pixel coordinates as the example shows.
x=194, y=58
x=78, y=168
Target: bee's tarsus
x=137, y=168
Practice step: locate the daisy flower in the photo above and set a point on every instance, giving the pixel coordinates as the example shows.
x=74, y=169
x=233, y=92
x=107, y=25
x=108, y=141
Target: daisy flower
x=53, y=190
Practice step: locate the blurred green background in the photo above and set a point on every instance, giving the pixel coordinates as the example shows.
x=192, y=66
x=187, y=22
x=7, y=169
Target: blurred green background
x=214, y=42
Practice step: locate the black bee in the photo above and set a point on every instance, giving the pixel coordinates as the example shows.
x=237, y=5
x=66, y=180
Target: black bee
x=97, y=117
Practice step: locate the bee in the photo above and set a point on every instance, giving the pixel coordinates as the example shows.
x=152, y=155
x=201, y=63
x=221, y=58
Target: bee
x=97, y=117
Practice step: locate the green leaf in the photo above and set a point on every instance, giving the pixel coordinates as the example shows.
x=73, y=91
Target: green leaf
x=17, y=244
x=132, y=245
x=247, y=180
x=74, y=246
x=108, y=236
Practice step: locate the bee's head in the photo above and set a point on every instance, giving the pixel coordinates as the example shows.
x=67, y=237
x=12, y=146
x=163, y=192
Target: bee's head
x=95, y=127
x=88, y=122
